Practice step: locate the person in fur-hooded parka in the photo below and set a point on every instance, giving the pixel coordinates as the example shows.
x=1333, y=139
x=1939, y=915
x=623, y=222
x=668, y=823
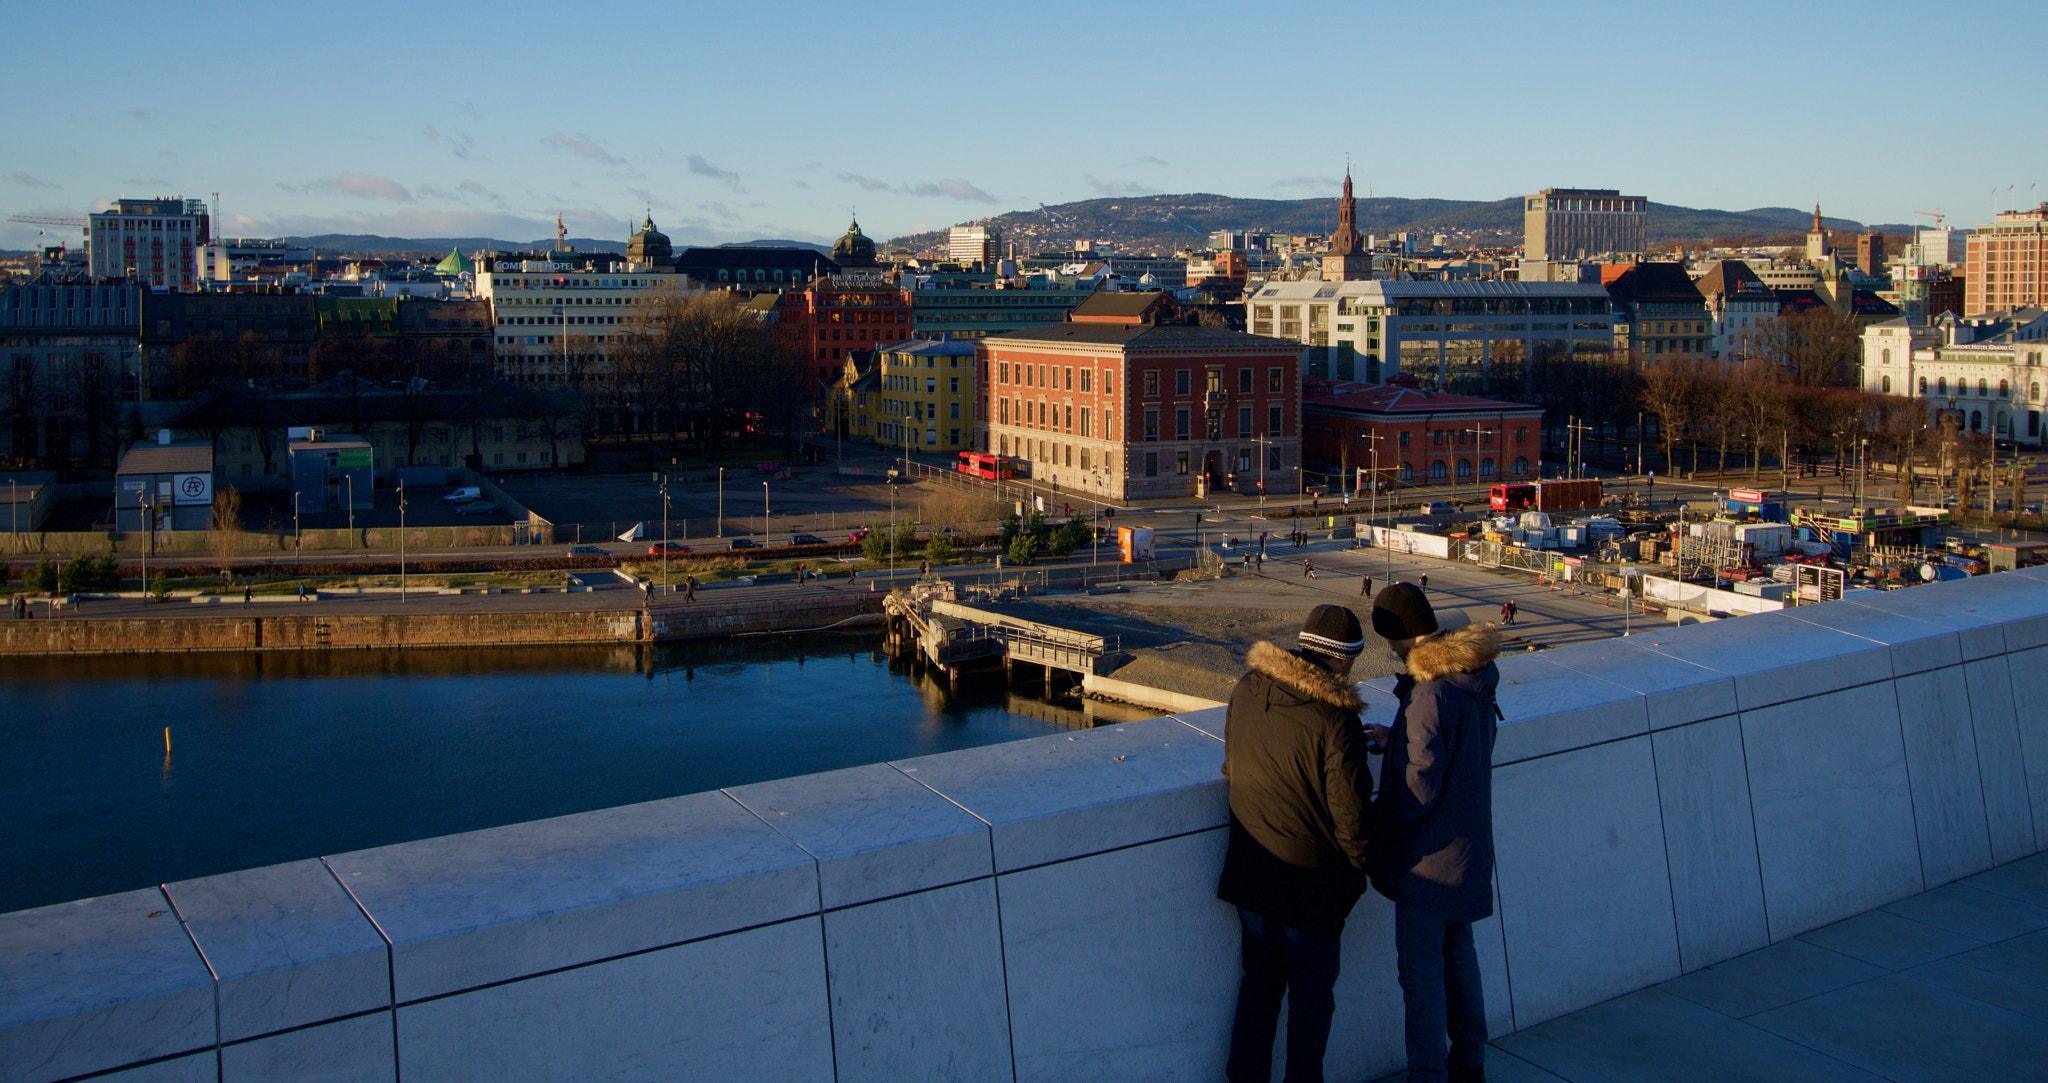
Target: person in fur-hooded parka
x=1299, y=793
x=1433, y=821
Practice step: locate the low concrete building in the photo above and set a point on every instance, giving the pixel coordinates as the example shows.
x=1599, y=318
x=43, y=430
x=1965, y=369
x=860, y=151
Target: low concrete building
x=29, y=495
x=331, y=471
x=169, y=481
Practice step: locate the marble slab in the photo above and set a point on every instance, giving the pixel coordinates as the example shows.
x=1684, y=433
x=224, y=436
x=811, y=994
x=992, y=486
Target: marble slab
x=1064, y=795
x=1547, y=709
x=1904, y=1028
x=873, y=830
x=749, y=1007
x=99, y=983
x=1585, y=889
x=1833, y=806
x=917, y=988
x=1209, y=721
x=1122, y=965
x=2019, y=603
x=1942, y=763
x=487, y=906
x=1717, y=891
x=1774, y=658
x=288, y=945
x=192, y=1068
x=2001, y=758
x=358, y=1050
x=1677, y=691
x=2030, y=694
x=1979, y=635
x=1916, y=644
x=1653, y=1035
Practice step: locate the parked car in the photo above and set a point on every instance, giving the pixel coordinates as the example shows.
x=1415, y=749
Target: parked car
x=806, y=539
x=658, y=548
x=744, y=543
x=1437, y=507
x=476, y=507
x=588, y=551
x=464, y=495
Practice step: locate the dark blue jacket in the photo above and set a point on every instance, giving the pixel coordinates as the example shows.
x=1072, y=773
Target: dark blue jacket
x=1433, y=820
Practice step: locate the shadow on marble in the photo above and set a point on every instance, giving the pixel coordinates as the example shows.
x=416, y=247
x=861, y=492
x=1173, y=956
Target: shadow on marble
x=1775, y=659
x=1999, y=990
x=1972, y=912
x=2025, y=880
x=2023, y=958
x=1548, y=709
x=1908, y=1029
x=1501, y=1067
x=1652, y=1034
x=1890, y=941
x=1770, y=977
x=1676, y=691
x=358, y=1050
x=917, y=988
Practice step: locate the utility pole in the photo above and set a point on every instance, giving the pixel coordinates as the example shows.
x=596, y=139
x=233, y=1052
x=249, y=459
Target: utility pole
x=664, y=530
x=721, y=502
x=1577, y=445
x=401, y=542
x=1478, y=434
x=1373, y=440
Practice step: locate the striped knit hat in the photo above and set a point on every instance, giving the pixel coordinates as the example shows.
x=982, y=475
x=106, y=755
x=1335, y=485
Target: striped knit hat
x=1332, y=630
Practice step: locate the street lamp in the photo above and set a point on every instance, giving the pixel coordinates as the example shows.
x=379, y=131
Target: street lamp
x=349, y=482
x=721, y=502
x=401, y=541
x=764, y=512
x=664, y=530
x=148, y=535
x=298, y=540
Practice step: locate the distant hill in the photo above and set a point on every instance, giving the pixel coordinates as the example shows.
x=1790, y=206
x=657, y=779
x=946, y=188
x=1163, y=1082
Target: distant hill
x=1164, y=222
x=364, y=244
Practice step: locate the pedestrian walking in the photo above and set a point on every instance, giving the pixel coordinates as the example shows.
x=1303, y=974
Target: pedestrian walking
x=1507, y=612
x=1433, y=827
x=1513, y=611
x=1294, y=759
x=1308, y=568
x=1425, y=580
x=1365, y=588
x=689, y=588
x=302, y=592
x=247, y=593
x=1262, y=544
x=799, y=575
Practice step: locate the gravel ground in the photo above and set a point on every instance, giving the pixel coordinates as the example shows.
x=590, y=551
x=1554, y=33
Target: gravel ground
x=1196, y=651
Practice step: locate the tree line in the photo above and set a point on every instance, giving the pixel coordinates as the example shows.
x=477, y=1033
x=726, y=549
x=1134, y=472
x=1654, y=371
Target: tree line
x=706, y=368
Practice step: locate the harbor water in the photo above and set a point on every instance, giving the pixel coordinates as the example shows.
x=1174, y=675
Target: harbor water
x=280, y=756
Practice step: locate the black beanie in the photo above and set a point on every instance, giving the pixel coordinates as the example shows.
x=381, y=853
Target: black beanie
x=1332, y=630
x=1402, y=612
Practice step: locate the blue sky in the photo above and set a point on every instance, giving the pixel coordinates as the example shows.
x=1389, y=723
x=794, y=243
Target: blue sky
x=739, y=121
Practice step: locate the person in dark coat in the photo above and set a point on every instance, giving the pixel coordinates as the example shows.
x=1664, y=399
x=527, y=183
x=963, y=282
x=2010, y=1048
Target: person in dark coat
x=1294, y=754
x=1433, y=828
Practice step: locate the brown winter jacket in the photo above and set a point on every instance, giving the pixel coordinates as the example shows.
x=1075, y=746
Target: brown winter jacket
x=1299, y=792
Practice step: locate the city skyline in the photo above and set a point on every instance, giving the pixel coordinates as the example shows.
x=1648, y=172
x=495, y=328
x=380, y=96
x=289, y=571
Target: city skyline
x=440, y=123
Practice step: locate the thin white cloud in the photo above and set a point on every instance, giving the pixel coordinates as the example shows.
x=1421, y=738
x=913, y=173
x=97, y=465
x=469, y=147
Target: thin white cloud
x=142, y=115
x=722, y=211
x=473, y=188
x=871, y=184
x=703, y=168
x=1147, y=159
x=647, y=197
x=362, y=185
x=1118, y=188
x=950, y=188
x=583, y=148
x=29, y=181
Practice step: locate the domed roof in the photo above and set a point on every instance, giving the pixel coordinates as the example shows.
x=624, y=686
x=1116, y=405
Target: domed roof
x=649, y=245
x=455, y=264
x=854, y=249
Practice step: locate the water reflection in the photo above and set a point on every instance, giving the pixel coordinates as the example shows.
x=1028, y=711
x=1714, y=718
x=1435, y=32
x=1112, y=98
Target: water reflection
x=282, y=756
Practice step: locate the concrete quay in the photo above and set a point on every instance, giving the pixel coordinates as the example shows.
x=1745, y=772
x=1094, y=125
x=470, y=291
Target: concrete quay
x=1685, y=815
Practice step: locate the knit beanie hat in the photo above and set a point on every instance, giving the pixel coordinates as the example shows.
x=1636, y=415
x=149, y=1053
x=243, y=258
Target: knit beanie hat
x=1401, y=611
x=1332, y=630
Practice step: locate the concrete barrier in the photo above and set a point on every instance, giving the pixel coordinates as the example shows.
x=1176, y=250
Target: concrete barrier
x=1045, y=909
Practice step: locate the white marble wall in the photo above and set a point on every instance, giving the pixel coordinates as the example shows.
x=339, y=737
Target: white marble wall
x=1045, y=910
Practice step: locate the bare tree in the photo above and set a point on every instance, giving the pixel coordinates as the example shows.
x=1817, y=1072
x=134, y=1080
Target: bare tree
x=1671, y=392
x=226, y=536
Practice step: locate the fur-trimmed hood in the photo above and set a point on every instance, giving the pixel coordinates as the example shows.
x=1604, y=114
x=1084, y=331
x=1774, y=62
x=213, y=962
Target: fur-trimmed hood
x=1468, y=650
x=1301, y=676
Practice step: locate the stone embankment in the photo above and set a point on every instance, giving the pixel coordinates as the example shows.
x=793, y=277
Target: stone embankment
x=299, y=631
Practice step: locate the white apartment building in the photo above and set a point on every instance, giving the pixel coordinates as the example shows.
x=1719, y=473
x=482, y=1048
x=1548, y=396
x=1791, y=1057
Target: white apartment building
x=153, y=240
x=557, y=322
x=1987, y=370
x=1446, y=334
x=968, y=245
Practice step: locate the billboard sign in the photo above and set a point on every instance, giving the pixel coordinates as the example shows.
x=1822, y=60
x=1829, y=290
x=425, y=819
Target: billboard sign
x=354, y=458
x=192, y=489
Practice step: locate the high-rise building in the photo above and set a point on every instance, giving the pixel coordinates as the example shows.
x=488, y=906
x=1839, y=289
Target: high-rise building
x=1578, y=223
x=2007, y=263
x=154, y=240
x=981, y=244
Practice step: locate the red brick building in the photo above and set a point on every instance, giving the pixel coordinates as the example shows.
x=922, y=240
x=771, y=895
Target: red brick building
x=1119, y=406
x=1422, y=437
x=835, y=316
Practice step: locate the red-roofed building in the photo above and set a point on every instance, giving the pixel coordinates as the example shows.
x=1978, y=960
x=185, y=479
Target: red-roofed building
x=1422, y=437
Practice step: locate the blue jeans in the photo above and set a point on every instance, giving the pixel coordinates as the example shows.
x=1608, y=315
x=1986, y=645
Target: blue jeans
x=1440, y=990
x=1282, y=961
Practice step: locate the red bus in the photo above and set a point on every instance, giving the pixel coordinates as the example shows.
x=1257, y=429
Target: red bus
x=983, y=465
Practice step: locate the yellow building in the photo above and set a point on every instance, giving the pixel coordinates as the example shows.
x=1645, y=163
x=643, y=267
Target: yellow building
x=915, y=394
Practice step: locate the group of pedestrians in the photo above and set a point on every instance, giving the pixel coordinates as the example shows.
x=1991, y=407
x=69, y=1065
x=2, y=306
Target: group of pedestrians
x=1308, y=836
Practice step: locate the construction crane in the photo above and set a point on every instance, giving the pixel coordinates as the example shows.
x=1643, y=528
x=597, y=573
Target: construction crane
x=33, y=220
x=1936, y=215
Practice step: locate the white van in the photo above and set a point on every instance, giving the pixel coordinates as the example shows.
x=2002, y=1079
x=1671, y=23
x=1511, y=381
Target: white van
x=464, y=495
x=1438, y=507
